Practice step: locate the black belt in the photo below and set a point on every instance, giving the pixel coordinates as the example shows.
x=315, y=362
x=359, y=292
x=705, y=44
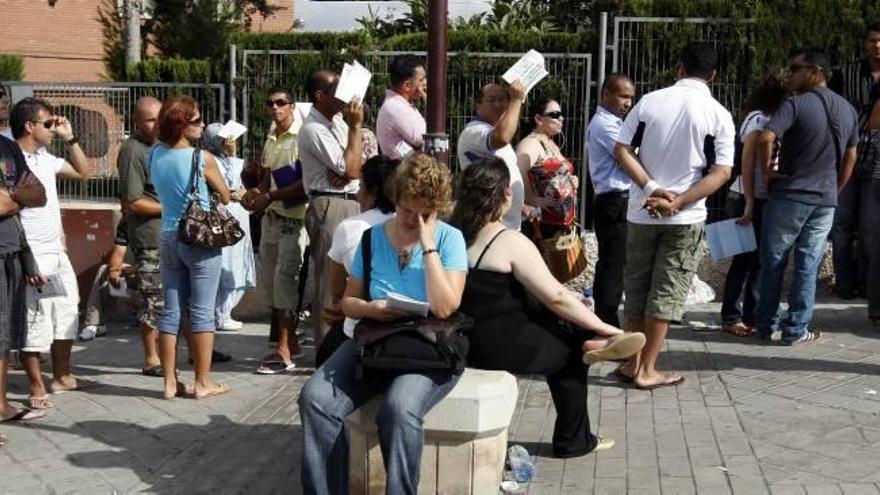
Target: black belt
x=331, y=194
x=615, y=193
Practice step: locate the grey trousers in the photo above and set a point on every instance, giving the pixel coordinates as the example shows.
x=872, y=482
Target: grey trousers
x=322, y=217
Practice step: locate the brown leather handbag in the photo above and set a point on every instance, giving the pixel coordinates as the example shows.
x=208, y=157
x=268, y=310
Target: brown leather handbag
x=208, y=229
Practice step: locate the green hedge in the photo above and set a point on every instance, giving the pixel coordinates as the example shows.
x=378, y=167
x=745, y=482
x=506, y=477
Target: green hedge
x=171, y=70
x=480, y=40
x=302, y=41
x=11, y=67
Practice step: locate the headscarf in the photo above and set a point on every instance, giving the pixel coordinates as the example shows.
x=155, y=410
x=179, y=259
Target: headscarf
x=213, y=143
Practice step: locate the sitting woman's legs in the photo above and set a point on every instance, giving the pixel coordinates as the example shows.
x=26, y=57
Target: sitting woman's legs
x=408, y=399
x=568, y=388
x=330, y=395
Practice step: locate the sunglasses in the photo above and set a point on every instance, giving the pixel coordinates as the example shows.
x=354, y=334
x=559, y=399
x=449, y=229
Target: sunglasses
x=196, y=121
x=48, y=123
x=281, y=102
x=796, y=67
x=552, y=115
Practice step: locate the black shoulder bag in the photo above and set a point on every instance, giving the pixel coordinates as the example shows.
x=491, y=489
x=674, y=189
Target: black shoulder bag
x=412, y=344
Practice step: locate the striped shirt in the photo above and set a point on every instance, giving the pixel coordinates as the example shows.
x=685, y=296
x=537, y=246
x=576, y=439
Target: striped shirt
x=858, y=86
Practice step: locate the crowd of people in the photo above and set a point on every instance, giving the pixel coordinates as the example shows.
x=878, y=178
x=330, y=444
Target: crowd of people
x=375, y=216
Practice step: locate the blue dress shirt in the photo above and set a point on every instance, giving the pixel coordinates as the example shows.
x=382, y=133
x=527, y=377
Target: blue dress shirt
x=605, y=173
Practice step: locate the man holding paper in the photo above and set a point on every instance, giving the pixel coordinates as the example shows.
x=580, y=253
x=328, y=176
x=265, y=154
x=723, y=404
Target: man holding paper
x=331, y=153
x=283, y=239
x=400, y=127
x=490, y=134
x=679, y=131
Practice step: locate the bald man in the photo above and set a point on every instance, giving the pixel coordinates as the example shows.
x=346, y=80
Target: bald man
x=141, y=203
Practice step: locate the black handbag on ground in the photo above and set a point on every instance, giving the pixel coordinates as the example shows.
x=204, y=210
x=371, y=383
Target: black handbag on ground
x=211, y=229
x=412, y=344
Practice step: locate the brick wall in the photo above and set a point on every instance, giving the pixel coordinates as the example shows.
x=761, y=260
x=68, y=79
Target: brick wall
x=60, y=43
x=64, y=42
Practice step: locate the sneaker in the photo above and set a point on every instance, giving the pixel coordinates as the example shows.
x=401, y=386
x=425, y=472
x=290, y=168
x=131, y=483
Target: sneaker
x=806, y=339
x=89, y=332
x=230, y=325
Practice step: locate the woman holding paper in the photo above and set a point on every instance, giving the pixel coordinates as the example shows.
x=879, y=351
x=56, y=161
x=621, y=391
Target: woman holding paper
x=506, y=268
x=745, y=200
x=414, y=255
x=239, y=272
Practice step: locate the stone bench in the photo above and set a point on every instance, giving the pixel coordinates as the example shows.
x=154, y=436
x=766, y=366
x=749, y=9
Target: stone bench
x=465, y=438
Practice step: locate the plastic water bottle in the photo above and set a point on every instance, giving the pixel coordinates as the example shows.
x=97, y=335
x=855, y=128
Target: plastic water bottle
x=520, y=463
x=587, y=298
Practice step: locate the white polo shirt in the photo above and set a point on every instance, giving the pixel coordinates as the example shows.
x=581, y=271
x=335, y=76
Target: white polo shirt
x=474, y=143
x=675, y=123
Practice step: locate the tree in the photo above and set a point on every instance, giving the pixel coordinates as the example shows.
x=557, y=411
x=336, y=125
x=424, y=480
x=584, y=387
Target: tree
x=132, y=11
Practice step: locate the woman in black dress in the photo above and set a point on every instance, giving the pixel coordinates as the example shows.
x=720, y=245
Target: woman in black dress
x=508, y=335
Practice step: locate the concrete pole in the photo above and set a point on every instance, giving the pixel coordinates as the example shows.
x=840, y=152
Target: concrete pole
x=233, y=73
x=132, y=12
x=436, y=139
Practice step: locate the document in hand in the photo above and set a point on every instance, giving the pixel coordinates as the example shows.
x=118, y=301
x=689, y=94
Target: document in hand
x=302, y=110
x=53, y=287
x=121, y=291
x=727, y=239
x=408, y=304
x=353, y=82
x=529, y=70
x=232, y=129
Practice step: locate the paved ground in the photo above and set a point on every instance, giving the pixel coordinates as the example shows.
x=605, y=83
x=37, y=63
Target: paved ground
x=749, y=419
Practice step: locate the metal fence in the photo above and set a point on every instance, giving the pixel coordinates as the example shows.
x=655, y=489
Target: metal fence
x=647, y=50
x=100, y=114
x=570, y=81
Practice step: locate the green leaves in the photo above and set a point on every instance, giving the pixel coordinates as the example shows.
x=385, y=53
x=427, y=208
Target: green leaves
x=11, y=67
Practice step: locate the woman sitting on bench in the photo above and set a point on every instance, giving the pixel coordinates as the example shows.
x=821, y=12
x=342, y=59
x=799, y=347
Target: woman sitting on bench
x=508, y=335
x=415, y=255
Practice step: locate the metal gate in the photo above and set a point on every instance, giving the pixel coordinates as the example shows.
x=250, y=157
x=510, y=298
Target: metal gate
x=570, y=81
x=101, y=117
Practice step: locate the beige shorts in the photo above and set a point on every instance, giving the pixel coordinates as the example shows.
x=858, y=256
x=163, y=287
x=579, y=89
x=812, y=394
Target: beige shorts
x=53, y=318
x=282, y=245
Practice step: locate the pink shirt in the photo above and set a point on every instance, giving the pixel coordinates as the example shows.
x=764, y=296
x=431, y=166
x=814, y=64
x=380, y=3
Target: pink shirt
x=398, y=122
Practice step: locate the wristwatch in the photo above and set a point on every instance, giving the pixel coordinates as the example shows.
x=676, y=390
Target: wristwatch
x=73, y=140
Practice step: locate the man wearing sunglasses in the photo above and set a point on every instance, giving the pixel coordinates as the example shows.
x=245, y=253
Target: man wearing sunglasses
x=52, y=321
x=819, y=132
x=283, y=237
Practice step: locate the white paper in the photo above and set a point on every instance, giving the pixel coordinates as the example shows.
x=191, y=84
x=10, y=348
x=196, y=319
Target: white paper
x=302, y=109
x=54, y=287
x=528, y=70
x=728, y=239
x=353, y=82
x=121, y=291
x=403, y=149
x=408, y=304
x=232, y=129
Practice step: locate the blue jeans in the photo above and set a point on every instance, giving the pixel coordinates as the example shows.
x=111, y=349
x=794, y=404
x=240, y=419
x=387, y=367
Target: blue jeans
x=804, y=227
x=190, y=275
x=333, y=393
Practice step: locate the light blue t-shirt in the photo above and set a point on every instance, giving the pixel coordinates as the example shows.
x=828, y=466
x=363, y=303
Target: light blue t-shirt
x=385, y=276
x=171, y=175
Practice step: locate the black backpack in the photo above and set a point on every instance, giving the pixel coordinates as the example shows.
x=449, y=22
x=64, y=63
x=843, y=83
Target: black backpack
x=410, y=345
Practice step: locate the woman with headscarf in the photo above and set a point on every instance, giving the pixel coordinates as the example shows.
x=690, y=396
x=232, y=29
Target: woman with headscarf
x=239, y=273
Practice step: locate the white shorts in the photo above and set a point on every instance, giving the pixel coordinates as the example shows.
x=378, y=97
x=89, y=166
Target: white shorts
x=54, y=318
